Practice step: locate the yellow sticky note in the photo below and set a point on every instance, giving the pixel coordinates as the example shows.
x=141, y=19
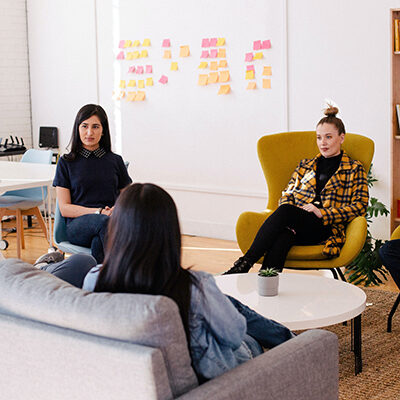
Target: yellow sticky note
x=174, y=66
x=132, y=83
x=144, y=53
x=258, y=56
x=128, y=43
x=184, y=52
x=120, y=95
x=140, y=96
x=214, y=65
x=220, y=41
x=167, y=54
x=122, y=84
x=131, y=96
x=267, y=71
x=146, y=42
x=136, y=43
x=149, y=82
x=251, y=85
x=267, y=83
x=203, y=65
x=129, y=55
x=224, y=76
x=140, y=84
x=224, y=89
x=221, y=53
x=135, y=54
x=203, y=80
x=213, y=77
x=250, y=74
x=223, y=63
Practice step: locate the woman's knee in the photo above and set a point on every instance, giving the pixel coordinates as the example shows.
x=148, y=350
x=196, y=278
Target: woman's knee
x=83, y=260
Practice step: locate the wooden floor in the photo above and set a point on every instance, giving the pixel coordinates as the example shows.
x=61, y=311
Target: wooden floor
x=199, y=253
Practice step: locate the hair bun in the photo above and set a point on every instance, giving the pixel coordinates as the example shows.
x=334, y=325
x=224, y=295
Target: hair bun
x=331, y=111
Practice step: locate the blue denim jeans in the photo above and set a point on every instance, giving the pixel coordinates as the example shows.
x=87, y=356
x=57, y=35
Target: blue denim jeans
x=89, y=231
x=390, y=255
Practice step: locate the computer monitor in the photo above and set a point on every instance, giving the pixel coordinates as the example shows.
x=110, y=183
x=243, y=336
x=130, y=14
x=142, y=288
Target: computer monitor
x=48, y=137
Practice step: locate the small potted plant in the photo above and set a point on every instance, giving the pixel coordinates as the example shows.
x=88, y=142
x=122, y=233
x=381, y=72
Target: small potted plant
x=268, y=282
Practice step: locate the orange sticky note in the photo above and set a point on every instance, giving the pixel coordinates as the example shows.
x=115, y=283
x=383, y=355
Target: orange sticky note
x=140, y=84
x=174, y=66
x=221, y=53
x=203, y=65
x=267, y=83
x=167, y=54
x=258, y=56
x=135, y=54
x=128, y=43
x=213, y=77
x=220, y=41
x=132, y=83
x=149, y=82
x=223, y=63
x=224, y=76
x=146, y=42
x=122, y=84
x=267, y=71
x=144, y=53
x=136, y=43
x=224, y=89
x=250, y=74
x=131, y=96
x=203, y=80
x=184, y=52
x=140, y=96
x=120, y=95
x=214, y=65
x=251, y=85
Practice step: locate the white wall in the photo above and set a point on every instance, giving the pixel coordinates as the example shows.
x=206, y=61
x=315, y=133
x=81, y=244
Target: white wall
x=15, y=107
x=330, y=55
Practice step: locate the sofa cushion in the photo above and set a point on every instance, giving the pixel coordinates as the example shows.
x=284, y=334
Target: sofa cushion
x=142, y=319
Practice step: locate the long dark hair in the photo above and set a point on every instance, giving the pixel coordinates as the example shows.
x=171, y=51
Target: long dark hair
x=143, y=248
x=84, y=113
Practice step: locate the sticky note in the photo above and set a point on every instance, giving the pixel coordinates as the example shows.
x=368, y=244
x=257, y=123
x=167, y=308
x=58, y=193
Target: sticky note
x=249, y=57
x=140, y=96
x=120, y=55
x=144, y=54
x=184, y=52
x=129, y=55
x=120, y=95
x=250, y=67
x=224, y=89
x=224, y=76
x=131, y=96
x=202, y=80
x=267, y=83
x=174, y=66
x=203, y=64
x=205, y=43
x=266, y=44
x=131, y=70
x=149, y=69
x=146, y=42
x=132, y=83
x=214, y=53
x=135, y=54
x=128, y=43
x=267, y=71
x=220, y=41
x=258, y=56
x=136, y=43
x=121, y=44
x=252, y=85
x=167, y=54
x=257, y=45
x=221, y=53
x=149, y=82
x=204, y=54
x=223, y=63
x=213, y=77
x=166, y=43
x=140, y=84
x=139, y=69
x=122, y=84
x=163, y=79
x=250, y=74
x=213, y=42
x=214, y=65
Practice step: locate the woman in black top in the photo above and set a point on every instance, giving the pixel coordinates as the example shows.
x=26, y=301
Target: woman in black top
x=88, y=180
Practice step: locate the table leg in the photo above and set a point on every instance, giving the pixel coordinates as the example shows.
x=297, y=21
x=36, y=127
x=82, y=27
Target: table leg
x=49, y=202
x=356, y=340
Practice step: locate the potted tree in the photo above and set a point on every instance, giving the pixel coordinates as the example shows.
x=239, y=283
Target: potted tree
x=268, y=282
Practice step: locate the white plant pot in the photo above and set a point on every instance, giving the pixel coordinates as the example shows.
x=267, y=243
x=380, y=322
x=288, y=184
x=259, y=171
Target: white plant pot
x=267, y=285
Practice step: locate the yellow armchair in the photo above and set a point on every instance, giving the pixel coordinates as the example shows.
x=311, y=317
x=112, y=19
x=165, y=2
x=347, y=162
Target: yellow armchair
x=279, y=155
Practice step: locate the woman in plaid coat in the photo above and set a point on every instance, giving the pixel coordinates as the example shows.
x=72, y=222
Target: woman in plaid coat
x=323, y=195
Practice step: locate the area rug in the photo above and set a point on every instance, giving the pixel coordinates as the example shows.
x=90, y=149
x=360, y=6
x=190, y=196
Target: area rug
x=380, y=377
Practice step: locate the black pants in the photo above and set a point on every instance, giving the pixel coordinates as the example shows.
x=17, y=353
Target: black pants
x=390, y=254
x=287, y=226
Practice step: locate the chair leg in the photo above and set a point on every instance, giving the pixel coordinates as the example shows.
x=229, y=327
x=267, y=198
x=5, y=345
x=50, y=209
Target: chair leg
x=392, y=311
x=21, y=231
x=334, y=273
x=19, y=217
x=342, y=277
x=40, y=219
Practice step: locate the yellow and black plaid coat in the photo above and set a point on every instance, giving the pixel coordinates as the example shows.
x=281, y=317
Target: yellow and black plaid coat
x=344, y=197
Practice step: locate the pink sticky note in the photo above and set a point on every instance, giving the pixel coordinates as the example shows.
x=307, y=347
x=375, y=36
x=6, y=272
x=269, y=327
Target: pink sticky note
x=250, y=68
x=214, y=53
x=120, y=55
x=163, y=79
x=249, y=57
x=121, y=44
x=205, y=43
x=166, y=43
x=266, y=44
x=257, y=45
x=213, y=42
x=139, y=69
x=204, y=54
x=149, y=69
x=131, y=69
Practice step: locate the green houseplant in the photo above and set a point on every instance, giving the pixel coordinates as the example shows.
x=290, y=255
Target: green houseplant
x=268, y=282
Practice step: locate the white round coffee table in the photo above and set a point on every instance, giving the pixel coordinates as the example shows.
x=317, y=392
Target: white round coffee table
x=303, y=302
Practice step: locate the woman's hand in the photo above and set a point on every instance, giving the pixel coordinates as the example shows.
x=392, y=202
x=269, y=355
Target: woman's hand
x=311, y=208
x=107, y=211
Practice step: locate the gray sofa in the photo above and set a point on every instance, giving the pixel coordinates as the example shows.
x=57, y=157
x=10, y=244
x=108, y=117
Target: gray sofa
x=60, y=342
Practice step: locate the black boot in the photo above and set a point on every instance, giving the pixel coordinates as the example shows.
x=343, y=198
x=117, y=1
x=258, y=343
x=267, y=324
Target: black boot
x=240, y=266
